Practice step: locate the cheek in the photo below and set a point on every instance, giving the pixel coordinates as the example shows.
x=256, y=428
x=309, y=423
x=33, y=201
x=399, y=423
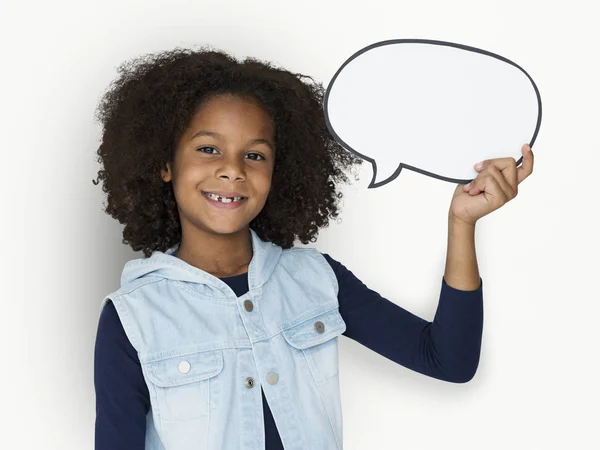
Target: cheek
x=264, y=181
x=193, y=175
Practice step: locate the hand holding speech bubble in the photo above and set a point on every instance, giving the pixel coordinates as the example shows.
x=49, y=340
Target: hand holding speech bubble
x=434, y=107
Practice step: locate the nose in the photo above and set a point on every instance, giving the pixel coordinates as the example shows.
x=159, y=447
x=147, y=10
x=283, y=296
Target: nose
x=232, y=169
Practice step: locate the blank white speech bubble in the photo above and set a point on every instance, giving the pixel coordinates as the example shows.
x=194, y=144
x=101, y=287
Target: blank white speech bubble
x=434, y=107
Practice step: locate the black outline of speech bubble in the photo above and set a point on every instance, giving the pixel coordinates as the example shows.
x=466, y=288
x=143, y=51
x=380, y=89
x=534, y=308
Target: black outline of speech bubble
x=401, y=165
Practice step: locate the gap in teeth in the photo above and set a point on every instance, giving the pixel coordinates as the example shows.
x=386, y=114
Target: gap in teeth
x=223, y=199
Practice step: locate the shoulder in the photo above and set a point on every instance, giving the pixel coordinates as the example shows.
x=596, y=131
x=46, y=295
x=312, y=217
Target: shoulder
x=343, y=276
x=350, y=286
x=113, y=352
x=340, y=270
x=301, y=257
x=111, y=334
x=109, y=318
x=322, y=260
x=333, y=263
x=306, y=263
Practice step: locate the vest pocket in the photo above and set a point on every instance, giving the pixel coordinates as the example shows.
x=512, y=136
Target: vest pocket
x=183, y=384
x=316, y=340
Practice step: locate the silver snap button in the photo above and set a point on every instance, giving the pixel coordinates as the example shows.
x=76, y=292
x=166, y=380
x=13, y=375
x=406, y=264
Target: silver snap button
x=272, y=378
x=319, y=326
x=184, y=367
x=249, y=383
x=248, y=305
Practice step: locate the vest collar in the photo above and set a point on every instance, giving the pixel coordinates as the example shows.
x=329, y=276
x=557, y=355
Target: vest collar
x=265, y=256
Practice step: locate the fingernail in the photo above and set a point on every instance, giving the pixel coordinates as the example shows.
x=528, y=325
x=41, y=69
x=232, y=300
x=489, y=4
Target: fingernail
x=527, y=148
x=479, y=165
x=468, y=186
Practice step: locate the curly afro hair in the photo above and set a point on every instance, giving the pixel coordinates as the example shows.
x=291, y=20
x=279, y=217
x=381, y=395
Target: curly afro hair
x=150, y=104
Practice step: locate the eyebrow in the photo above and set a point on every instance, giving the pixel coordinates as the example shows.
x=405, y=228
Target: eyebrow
x=219, y=136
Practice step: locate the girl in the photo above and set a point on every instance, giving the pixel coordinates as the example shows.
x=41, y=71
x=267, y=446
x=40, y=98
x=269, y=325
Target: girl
x=224, y=336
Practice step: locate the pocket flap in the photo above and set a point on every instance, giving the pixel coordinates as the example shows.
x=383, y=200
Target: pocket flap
x=179, y=370
x=315, y=331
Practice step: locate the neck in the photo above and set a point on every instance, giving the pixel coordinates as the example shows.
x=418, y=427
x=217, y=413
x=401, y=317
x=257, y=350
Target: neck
x=222, y=256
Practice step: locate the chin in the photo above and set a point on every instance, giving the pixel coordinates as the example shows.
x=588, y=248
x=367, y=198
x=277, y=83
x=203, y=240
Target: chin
x=224, y=228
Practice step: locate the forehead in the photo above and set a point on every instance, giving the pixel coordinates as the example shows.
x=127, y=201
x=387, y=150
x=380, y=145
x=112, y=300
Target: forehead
x=228, y=112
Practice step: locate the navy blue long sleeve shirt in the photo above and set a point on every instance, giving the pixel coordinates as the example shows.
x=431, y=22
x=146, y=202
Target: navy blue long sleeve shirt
x=447, y=349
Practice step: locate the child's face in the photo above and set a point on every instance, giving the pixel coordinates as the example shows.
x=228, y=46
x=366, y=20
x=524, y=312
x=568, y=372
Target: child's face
x=236, y=158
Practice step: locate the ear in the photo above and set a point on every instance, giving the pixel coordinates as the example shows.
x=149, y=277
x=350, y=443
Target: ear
x=166, y=175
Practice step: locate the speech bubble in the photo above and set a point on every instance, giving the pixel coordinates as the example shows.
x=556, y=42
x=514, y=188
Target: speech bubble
x=434, y=107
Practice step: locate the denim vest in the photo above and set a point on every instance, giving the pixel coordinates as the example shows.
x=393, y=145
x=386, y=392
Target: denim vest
x=205, y=352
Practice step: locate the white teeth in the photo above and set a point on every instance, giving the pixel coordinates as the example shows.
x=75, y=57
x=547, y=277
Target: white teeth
x=223, y=199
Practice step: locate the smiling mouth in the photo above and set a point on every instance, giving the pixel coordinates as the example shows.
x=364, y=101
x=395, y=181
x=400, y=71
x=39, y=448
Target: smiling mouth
x=223, y=199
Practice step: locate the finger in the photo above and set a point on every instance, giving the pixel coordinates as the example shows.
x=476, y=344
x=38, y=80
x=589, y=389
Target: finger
x=475, y=186
x=503, y=183
x=526, y=167
x=501, y=163
x=507, y=166
x=489, y=185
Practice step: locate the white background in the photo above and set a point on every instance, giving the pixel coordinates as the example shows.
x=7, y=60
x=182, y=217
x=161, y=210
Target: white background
x=537, y=383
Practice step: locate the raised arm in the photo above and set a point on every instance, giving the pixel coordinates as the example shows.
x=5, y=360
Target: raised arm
x=447, y=348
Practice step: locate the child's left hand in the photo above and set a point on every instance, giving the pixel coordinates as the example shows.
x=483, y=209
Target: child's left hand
x=495, y=185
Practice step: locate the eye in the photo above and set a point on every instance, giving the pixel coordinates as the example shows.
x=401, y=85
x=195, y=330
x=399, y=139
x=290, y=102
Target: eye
x=201, y=149
x=256, y=154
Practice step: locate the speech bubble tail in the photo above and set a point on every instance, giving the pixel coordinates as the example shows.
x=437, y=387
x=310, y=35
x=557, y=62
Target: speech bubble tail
x=382, y=176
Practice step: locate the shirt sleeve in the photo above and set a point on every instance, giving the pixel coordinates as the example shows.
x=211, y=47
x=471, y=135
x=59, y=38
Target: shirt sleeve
x=122, y=397
x=447, y=348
